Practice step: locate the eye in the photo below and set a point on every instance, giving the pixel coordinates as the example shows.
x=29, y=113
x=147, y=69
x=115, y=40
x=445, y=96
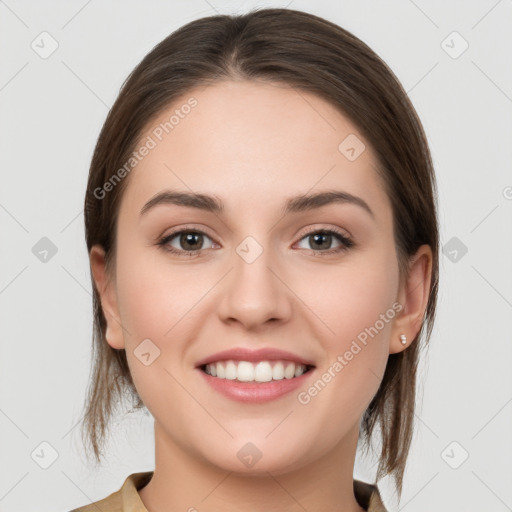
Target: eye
x=189, y=242
x=320, y=241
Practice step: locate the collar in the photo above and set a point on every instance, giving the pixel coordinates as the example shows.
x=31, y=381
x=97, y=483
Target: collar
x=367, y=495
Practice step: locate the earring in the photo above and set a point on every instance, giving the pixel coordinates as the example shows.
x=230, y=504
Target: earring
x=403, y=339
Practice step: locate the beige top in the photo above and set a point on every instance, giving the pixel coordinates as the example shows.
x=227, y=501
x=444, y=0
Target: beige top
x=127, y=498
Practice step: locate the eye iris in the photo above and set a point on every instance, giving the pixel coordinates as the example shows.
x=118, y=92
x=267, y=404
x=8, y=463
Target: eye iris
x=185, y=240
x=325, y=236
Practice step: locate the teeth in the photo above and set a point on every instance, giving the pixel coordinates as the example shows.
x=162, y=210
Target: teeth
x=263, y=371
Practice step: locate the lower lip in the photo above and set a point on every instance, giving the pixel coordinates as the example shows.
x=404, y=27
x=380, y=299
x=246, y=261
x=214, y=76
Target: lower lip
x=255, y=391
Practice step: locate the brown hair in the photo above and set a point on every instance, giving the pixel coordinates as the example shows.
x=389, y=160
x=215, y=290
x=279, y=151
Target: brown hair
x=310, y=54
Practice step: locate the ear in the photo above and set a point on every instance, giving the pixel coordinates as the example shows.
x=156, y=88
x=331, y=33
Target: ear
x=413, y=296
x=108, y=296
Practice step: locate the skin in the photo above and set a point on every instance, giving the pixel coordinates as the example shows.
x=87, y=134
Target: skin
x=253, y=145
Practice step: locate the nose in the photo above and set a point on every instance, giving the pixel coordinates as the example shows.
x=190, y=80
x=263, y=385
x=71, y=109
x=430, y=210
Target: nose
x=255, y=293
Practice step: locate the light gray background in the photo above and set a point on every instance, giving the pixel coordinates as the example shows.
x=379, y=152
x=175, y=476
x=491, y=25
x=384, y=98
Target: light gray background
x=51, y=113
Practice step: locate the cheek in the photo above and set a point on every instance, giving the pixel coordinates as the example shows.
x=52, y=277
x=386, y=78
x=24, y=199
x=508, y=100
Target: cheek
x=155, y=305
x=154, y=296
x=350, y=297
x=160, y=302
x=352, y=305
x=357, y=317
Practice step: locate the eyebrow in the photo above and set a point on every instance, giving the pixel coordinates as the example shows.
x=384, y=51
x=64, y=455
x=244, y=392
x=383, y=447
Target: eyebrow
x=296, y=204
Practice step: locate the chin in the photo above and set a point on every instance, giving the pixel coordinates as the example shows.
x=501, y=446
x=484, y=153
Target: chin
x=255, y=458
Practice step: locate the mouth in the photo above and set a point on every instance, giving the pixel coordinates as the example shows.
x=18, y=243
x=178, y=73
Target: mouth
x=255, y=371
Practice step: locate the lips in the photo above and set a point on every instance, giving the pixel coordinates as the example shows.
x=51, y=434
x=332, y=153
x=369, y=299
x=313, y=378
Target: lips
x=262, y=354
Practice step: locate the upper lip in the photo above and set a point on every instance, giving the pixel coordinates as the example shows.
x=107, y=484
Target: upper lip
x=262, y=354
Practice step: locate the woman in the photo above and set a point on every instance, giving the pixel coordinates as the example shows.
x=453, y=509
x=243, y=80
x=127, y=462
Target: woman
x=263, y=238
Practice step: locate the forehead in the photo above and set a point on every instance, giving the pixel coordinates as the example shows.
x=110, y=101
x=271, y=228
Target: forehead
x=253, y=143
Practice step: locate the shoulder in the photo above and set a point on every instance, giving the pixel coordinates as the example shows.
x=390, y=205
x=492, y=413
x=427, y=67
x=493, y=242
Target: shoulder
x=111, y=503
x=368, y=496
x=124, y=499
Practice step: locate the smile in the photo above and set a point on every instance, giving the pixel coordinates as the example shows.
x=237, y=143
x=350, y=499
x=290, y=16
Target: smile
x=262, y=371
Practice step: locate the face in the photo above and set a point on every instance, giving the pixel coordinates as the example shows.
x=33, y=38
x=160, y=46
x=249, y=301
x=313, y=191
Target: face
x=319, y=282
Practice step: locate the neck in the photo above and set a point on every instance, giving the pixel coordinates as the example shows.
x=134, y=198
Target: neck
x=325, y=484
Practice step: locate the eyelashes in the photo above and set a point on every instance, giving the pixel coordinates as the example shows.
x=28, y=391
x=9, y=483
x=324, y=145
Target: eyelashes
x=187, y=236
x=313, y=236
x=345, y=242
